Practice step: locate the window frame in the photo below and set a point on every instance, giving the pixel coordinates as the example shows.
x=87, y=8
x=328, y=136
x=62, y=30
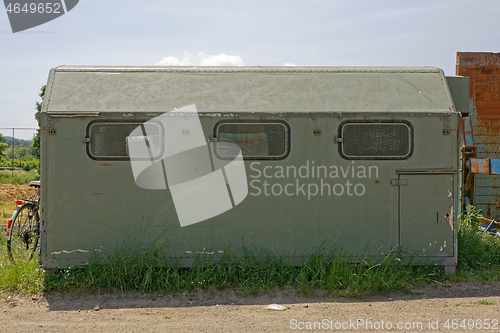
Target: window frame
x=288, y=142
x=137, y=122
x=381, y=122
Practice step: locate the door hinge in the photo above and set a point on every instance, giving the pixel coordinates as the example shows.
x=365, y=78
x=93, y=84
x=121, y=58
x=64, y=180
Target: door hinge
x=399, y=182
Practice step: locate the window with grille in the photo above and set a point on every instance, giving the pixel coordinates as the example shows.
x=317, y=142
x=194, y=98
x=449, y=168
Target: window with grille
x=376, y=140
x=257, y=140
x=108, y=140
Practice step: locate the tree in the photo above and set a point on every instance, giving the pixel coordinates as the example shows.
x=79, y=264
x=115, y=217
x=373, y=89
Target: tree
x=36, y=143
x=2, y=145
x=41, y=94
x=36, y=137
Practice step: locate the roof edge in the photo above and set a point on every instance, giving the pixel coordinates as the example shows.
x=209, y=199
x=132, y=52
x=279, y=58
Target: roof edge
x=245, y=69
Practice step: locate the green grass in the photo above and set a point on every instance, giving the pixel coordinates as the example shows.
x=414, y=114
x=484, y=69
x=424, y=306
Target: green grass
x=478, y=252
x=23, y=276
x=257, y=271
x=148, y=270
x=18, y=176
x=482, y=302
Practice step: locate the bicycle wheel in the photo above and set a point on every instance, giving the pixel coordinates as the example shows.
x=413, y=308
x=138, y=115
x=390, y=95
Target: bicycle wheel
x=24, y=233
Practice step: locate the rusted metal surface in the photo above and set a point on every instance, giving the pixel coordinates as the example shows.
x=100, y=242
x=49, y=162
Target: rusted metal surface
x=482, y=127
x=479, y=165
x=467, y=176
x=469, y=132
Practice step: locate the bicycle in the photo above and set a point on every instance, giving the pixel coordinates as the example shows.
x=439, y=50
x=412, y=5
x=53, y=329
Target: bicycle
x=23, y=229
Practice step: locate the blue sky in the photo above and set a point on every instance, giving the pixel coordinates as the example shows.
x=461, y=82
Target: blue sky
x=250, y=33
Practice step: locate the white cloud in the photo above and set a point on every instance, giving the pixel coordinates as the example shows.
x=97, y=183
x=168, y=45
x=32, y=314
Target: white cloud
x=289, y=64
x=202, y=59
x=171, y=61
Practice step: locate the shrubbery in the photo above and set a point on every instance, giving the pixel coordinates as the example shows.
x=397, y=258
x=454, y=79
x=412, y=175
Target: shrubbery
x=25, y=156
x=27, y=163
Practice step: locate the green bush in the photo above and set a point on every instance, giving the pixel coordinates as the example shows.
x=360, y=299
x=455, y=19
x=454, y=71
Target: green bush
x=27, y=163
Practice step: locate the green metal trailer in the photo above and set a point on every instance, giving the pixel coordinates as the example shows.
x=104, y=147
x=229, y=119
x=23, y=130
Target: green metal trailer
x=363, y=159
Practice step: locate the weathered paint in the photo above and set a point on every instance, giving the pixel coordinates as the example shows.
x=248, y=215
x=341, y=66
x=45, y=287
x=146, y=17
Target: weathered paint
x=469, y=132
x=494, y=166
x=410, y=203
x=482, y=127
x=479, y=165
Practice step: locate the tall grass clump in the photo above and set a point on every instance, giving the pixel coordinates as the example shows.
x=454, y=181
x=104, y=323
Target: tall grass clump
x=19, y=276
x=478, y=252
x=337, y=274
x=149, y=270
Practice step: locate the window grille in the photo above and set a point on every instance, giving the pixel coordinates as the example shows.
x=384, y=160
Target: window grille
x=376, y=140
x=108, y=140
x=257, y=140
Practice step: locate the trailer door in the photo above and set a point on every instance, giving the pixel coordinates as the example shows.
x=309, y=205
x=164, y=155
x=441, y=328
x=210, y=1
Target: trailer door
x=426, y=204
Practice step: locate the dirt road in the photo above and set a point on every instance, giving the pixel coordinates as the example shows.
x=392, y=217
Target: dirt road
x=428, y=309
